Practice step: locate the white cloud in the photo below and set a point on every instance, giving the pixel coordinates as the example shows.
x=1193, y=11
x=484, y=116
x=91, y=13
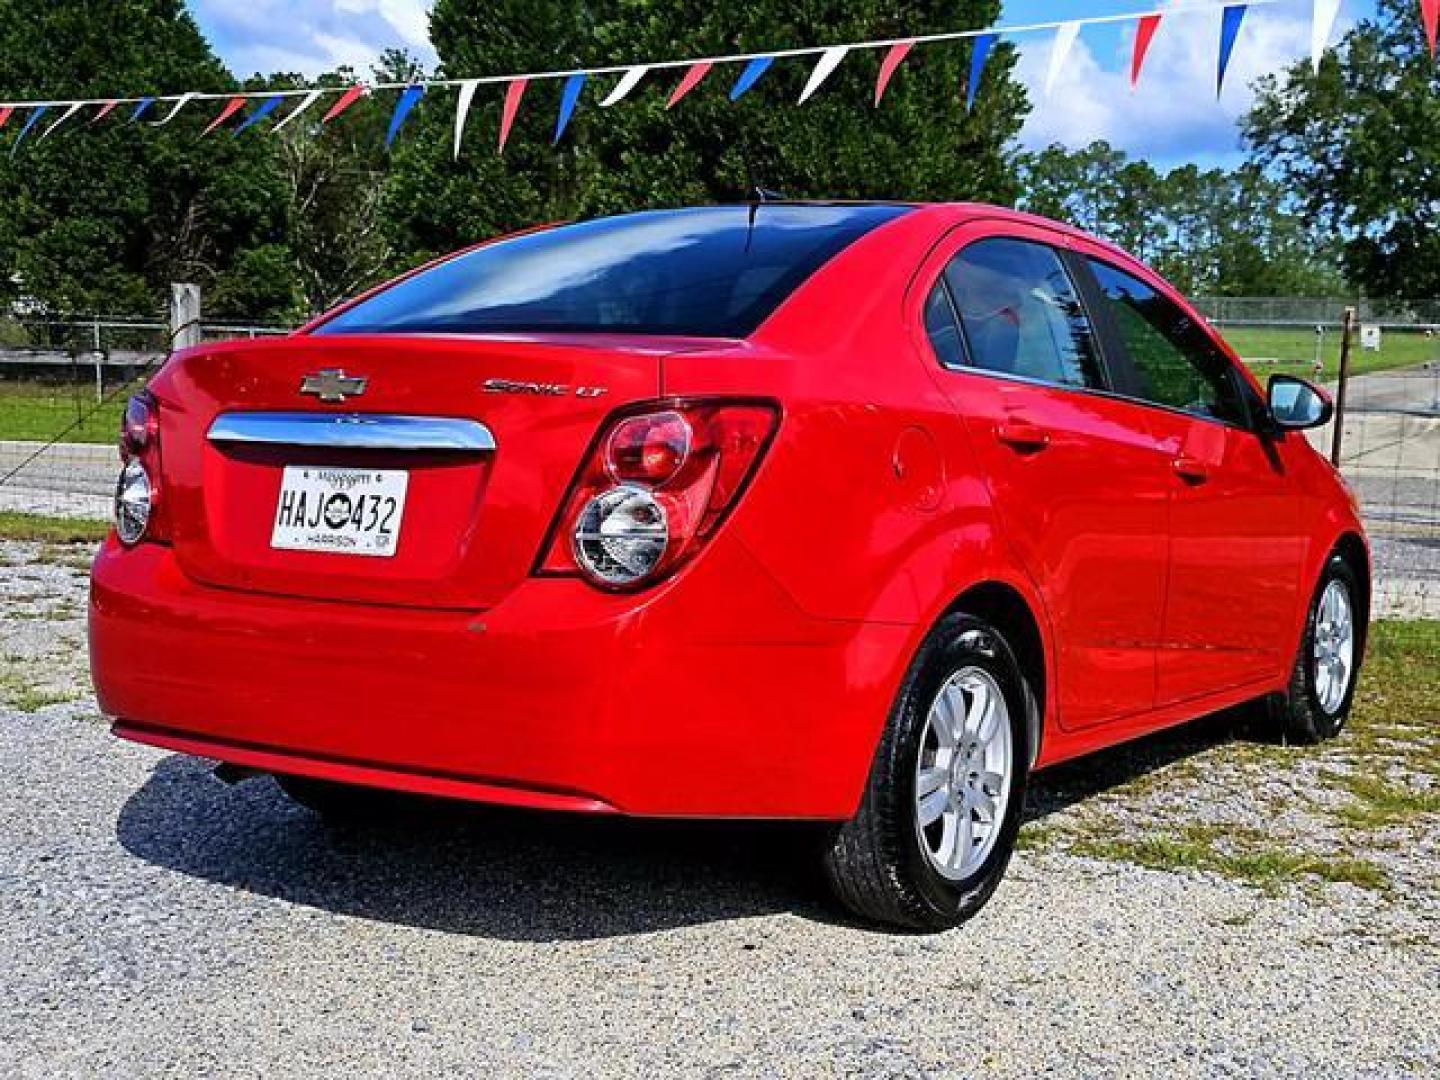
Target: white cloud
x=1173, y=113
x=313, y=36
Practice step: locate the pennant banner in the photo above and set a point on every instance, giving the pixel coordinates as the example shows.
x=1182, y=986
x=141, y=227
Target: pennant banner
x=403, y=104
x=752, y=67
x=893, y=59
x=979, y=54
x=305, y=103
x=627, y=83
x=689, y=82
x=568, y=97
x=1230, y=20
x=828, y=62
x=750, y=76
x=1064, y=41
x=66, y=115
x=1144, y=35
x=513, y=93
x=234, y=105
x=1430, y=19
x=352, y=95
x=1323, y=21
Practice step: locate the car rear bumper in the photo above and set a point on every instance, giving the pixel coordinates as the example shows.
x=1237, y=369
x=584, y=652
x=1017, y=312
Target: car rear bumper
x=712, y=697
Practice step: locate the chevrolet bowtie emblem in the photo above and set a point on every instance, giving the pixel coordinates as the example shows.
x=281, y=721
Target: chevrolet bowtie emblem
x=333, y=385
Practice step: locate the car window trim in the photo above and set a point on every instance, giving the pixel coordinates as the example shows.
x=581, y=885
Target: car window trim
x=1116, y=343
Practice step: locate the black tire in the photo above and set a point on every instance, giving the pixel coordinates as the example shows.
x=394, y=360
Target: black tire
x=1298, y=713
x=337, y=804
x=876, y=864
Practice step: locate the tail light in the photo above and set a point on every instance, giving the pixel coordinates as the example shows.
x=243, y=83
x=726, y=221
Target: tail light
x=137, y=494
x=655, y=487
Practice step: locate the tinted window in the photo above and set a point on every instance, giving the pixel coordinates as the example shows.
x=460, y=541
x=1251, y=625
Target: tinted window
x=1177, y=363
x=940, y=326
x=711, y=272
x=1021, y=314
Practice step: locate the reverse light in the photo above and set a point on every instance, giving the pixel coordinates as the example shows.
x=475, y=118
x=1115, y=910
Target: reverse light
x=134, y=497
x=656, y=485
x=138, y=489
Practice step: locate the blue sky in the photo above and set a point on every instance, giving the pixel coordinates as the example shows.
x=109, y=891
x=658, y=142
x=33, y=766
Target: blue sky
x=1174, y=117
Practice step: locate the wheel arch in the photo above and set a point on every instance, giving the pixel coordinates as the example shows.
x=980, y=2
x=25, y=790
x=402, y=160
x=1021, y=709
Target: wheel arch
x=1005, y=608
x=1350, y=547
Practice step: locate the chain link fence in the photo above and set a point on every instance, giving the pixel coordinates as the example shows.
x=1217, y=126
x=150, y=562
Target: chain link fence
x=63, y=385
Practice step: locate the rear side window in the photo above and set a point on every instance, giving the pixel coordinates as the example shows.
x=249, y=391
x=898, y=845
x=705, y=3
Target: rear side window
x=941, y=329
x=1021, y=313
x=1176, y=362
x=706, y=272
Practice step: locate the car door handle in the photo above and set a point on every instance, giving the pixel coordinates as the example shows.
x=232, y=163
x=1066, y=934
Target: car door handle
x=1022, y=435
x=1190, y=470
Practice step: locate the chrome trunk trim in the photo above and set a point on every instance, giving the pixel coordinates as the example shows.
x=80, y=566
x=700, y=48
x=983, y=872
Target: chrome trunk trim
x=352, y=431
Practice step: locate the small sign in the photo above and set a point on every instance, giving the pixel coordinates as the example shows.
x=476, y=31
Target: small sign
x=1370, y=337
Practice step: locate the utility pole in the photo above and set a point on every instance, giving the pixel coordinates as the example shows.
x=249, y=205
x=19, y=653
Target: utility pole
x=184, y=316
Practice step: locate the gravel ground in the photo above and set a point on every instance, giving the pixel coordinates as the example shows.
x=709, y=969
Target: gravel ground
x=158, y=923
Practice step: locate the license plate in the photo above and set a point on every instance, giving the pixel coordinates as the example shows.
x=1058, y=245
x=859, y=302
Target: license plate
x=344, y=511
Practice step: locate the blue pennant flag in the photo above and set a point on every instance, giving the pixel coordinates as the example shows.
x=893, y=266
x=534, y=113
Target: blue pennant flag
x=1230, y=18
x=141, y=108
x=750, y=76
x=983, y=44
x=408, y=97
x=264, y=109
x=30, y=122
x=568, y=97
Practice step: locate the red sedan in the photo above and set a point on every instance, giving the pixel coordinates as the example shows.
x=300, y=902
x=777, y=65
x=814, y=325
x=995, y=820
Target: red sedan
x=852, y=513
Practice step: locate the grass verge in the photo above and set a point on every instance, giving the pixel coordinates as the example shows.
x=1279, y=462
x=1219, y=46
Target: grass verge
x=41, y=529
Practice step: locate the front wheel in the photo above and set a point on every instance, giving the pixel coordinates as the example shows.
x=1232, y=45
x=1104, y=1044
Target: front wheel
x=937, y=823
x=1322, y=683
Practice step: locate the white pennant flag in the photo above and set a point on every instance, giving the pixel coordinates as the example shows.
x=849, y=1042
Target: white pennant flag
x=308, y=100
x=462, y=111
x=1325, y=12
x=180, y=103
x=71, y=111
x=627, y=83
x=1065, y=35
x=828, y=62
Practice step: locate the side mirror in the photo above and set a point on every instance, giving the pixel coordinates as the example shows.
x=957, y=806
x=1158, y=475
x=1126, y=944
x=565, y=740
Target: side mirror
x=1295, y=404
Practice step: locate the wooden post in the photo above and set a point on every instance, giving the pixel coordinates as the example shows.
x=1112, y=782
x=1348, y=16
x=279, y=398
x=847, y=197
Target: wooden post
x=1337, y=437
x=184, y=316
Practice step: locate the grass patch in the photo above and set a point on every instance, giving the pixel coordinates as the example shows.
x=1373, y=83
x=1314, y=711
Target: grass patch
x=17, y=692
x=1264, y=866
x=41, y=529
x=1377, y=804
x=36, y=410
x=1294, y=348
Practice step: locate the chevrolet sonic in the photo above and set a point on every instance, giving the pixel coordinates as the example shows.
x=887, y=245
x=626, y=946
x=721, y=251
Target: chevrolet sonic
x=855, y=513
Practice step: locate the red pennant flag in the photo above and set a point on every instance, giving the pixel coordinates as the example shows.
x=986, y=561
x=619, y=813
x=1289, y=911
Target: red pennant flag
x=513, y=93
x=234, y=105
x=352, y=95
x=689, y=82
x=5, y=115
x=105, y=111
x=893, y=59
x=1430, y=16
x=1144, y=33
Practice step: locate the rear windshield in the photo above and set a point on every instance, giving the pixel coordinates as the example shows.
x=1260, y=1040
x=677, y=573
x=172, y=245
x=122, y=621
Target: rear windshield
x=707, y=272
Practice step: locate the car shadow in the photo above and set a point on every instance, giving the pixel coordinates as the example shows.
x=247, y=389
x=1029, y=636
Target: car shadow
x=526, y=875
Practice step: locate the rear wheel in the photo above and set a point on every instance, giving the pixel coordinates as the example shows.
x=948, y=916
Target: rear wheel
x=937, y=824
x=1322, y=682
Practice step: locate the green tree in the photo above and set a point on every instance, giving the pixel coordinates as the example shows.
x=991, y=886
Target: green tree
x=919, y=144
x=102, y=219
x=1356, y=144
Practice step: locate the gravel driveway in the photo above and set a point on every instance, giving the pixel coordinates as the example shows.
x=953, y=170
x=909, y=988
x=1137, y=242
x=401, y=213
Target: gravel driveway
x=159, y=923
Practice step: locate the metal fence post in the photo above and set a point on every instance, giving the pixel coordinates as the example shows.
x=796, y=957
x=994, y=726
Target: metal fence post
x=1338, y=436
